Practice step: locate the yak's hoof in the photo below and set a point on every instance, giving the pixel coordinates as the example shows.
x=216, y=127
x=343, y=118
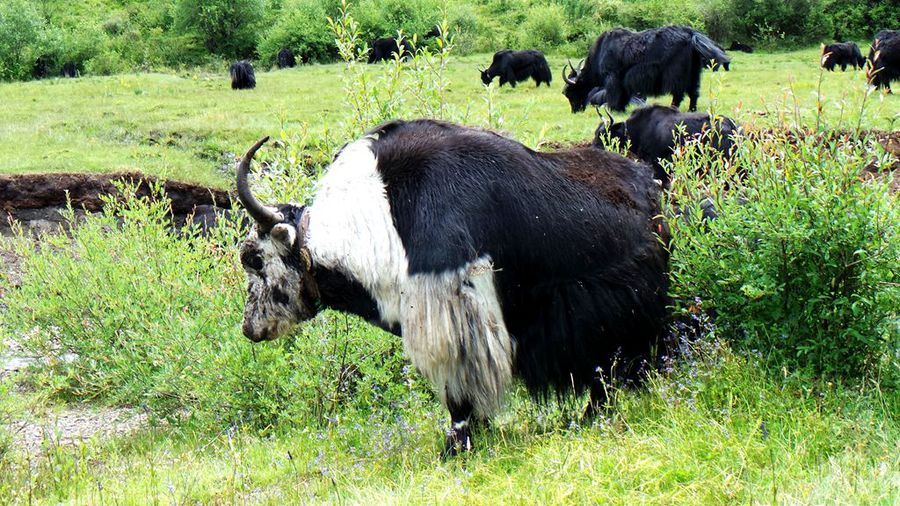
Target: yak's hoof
x=458, y=440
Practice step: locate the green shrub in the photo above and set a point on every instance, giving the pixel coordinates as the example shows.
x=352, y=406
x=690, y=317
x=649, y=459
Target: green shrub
x=22, y=38
x=545, y=27
x=153, y=317
x=861, y=19
x=801, y=263
x=302, y=27
x=776, y=23
x=227, y=28
x=384, y=18
x=655, y=13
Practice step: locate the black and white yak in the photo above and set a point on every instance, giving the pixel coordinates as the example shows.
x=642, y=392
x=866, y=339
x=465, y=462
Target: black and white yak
x=242, y=75
x=653, y=62
x=385, y=48
x=487, y=258
x=655, y=132
x=286, y=58
x=514, y=66
x=842, y=54
x=884, y=59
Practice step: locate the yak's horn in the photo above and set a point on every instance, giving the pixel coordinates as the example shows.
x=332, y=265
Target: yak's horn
x=264, y=216
x=565, y=77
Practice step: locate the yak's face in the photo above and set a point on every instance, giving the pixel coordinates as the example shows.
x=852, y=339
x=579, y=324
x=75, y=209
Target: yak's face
x=485, y=77
x=576, y=90
x=278, y=275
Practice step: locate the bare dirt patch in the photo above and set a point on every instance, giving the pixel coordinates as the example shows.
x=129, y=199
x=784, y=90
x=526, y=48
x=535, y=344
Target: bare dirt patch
x=36, y=200
x=72, y=425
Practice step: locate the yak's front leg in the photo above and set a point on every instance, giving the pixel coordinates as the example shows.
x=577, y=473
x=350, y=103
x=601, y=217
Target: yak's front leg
x=459, y=436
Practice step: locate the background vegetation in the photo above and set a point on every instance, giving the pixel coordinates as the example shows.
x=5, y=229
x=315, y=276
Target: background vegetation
x=780, y=385
x=111, y=36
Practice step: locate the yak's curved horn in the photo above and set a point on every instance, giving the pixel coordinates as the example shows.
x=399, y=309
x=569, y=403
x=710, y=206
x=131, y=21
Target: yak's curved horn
x=608, y=115
x=265, y=217
x=565, y=76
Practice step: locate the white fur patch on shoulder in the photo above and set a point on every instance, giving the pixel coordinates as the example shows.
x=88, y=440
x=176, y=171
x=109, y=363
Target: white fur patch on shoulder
x=351, y=228
x=453, y=331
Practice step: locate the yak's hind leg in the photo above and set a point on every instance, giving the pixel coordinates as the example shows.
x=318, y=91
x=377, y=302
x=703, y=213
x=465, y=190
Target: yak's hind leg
x=693, y=90
x=677, y=97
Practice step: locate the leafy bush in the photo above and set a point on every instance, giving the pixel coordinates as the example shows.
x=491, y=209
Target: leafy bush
x=22, y=38
x=545, y=26
x=655, y=13
x=383, y=18
x=801, y=262
x=153, y=319
x=227, y=28
x=776, y=23
x=860, y=19
x=301, y=27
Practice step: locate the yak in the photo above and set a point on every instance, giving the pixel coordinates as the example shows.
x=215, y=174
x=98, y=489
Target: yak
x=884, y=59
x=242, y=75
x=737, y=46
x=42, y=67
x=70, y=69
x=654, y=132
x=597, y=98
x=385, y=48
x=514, y=66
x=486, y=258
x=286, y=58
x=653, y=62
x=843, y=54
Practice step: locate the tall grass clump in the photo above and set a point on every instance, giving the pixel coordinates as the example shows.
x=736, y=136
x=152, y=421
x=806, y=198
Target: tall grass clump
x=801, y=263
x=129, y=310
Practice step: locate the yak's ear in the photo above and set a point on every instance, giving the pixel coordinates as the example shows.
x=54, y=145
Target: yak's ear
x=284, y=233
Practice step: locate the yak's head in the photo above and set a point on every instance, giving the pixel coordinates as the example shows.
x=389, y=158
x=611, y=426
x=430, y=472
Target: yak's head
x=576, y=88
x=281, y=290
x=609, y=131
x=485, y=76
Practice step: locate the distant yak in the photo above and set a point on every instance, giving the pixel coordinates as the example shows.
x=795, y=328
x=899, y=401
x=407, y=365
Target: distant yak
x=655, y=132
x=242, y=76
x=69, y=69
x=43, y=66
x=653, y=62
x=385, y=48
x=843, y=54
x=514, y=66
x=884, y=59
x=737, y=46
x=286, y=58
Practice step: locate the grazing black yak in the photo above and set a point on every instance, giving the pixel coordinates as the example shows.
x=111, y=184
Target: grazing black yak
x=843, y=54
x=488, y=259
x=43, y=66
x=514, y=66
x=242, y=76
x=286, y=58
x=385, y=48
x=653, y=62
x=737, y=46
x=655, y=131
x=70, y=69
x=884, y=59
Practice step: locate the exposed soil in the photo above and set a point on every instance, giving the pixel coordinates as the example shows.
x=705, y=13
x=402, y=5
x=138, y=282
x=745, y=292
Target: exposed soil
x=36, y=200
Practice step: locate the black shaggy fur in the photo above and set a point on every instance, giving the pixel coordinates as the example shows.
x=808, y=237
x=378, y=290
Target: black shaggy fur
x=286, y=58
x=597, y=98
x=579, y=269
x=884, y=59
x=70, y=69
x=842, y=54
x=514, y=66
x=655, y=131
x=242, y=76
x=737, y=46
x=43, y=66
x=385, y=49
x=653, y=62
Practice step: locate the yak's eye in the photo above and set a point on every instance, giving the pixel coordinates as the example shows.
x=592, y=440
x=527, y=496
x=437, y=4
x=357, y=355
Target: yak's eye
x=253, y=261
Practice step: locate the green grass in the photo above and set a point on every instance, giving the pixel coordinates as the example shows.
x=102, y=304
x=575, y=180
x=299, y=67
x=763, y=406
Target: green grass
x=333, y=413
x=188, y=126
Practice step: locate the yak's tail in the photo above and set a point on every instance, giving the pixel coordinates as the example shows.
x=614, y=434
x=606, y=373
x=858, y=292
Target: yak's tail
x=710, y=52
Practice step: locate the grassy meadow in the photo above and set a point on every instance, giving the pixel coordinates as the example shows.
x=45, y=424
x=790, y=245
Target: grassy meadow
x=334, y=414
x=188, y=126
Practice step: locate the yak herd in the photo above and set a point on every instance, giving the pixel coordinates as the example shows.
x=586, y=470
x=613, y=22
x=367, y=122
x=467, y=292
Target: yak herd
x=491, y=261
